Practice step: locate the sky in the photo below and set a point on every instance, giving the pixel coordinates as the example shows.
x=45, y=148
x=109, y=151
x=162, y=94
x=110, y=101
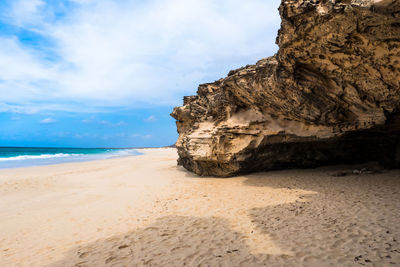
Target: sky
x=107, y=73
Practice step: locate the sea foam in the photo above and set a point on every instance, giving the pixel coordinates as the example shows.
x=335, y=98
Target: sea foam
x=43, y=156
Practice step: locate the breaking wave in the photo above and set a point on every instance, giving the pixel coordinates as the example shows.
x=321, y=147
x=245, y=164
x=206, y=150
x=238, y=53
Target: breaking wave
x=43, y=156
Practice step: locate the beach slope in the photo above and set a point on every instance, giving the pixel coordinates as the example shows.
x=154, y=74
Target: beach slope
x=145, y=210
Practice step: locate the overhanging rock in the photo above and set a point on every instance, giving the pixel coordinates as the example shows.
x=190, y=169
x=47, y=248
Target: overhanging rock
x=330, y=95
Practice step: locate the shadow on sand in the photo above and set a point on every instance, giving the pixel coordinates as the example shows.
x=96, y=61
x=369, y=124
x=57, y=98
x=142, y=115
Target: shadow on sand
x=351, y=220
x=169, y=241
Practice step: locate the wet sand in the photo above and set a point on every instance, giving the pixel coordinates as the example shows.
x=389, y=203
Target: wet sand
x=145, y=210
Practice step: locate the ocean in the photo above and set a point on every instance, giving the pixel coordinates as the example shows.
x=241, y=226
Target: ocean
x=14, y=157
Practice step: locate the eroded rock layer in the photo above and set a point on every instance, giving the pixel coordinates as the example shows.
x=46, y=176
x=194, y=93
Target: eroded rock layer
x=331, y=94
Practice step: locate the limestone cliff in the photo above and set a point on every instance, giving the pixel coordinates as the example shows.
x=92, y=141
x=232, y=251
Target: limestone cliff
x=331, y=94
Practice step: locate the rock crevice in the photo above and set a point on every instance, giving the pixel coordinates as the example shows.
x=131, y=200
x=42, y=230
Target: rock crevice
x=331, y=94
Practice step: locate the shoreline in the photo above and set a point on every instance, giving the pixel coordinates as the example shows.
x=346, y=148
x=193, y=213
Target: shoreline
x=145, y=210
x=83, y=159
x=62, y=163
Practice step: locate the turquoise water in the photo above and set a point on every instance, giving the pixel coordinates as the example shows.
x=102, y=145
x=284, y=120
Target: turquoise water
x=13, y=157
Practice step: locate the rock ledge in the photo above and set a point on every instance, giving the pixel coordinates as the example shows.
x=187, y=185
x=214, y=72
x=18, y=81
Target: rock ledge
x=330, y=95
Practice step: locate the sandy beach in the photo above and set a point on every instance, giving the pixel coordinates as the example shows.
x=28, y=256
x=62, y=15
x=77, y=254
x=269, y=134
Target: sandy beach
x=145, y=210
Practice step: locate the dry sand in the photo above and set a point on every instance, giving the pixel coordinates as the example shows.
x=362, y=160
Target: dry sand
x=145, y=210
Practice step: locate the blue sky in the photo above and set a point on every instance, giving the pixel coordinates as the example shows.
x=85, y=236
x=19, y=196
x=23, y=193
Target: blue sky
x=103, y=73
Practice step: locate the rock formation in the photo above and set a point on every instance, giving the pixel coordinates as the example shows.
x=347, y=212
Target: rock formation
x=330, y=95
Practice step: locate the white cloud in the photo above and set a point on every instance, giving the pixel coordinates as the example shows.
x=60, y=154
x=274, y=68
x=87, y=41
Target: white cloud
x=104, y=122
x=151, y=118
x=15, y=118
x=25, y=12
x=48, y=121
x=142, y=136
x=131, y=53
x=19, y=71
x=147, y=136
